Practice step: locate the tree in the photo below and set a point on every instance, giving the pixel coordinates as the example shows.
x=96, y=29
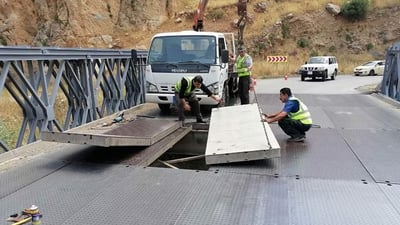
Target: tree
x=354, y=10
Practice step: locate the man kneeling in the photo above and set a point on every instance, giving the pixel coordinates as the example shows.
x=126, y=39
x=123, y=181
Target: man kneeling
x=294, y=119
x=185, y=94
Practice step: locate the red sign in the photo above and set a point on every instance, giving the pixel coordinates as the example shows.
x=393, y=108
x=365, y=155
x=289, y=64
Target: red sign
x=276, y=59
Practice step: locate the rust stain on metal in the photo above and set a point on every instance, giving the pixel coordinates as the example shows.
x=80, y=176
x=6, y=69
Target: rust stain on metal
x=142, y=128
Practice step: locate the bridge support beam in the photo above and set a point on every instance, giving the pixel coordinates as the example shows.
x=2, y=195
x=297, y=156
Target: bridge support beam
x=62, y=88
x=391, y=77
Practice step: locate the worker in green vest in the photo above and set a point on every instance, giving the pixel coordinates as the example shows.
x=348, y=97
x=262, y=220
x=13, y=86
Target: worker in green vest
x=186, y=100
x=294, y=119
x=244, y=64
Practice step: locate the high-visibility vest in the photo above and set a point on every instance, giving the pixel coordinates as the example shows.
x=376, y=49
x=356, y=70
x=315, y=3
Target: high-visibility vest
x=188, y=90
x=302, y=115
x=241, y=67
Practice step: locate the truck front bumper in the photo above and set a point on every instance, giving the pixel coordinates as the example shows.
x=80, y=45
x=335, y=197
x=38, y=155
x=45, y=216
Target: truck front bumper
x=166, y=98
x=313, y=74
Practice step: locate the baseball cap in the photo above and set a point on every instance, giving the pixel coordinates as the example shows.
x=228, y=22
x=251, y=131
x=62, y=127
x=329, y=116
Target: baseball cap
x=241, y=49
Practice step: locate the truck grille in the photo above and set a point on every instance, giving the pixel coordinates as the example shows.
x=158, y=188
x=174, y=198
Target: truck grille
x=167, y=88
x=310, y=68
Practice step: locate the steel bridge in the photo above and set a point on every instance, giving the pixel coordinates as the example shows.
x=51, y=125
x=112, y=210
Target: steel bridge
x=92, y=83
x=62, y=88
x=391, y=77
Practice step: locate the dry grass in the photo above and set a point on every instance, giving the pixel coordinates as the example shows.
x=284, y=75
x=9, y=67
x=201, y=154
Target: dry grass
x=384, y=3
x=10, y=119
x=297, y=56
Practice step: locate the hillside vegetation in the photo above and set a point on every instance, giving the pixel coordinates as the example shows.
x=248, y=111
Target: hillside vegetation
x=280, y=29
x=286, y=25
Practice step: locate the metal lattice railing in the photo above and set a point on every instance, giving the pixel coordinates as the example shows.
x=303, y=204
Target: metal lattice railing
x=86, y=83
x=391, y=77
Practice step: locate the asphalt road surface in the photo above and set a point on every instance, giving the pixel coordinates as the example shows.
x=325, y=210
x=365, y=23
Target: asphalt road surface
x=343, y=84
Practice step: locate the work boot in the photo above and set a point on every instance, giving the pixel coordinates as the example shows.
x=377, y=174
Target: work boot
x=296, y=139
x=200, y=120
x=182, y=121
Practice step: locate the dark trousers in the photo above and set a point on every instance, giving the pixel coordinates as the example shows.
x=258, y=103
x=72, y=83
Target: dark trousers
x=243, y=89
x=293, y=128
x=194, y=106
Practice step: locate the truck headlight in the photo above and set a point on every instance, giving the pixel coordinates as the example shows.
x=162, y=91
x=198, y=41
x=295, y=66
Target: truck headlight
x=214, y=88
x=151, y=87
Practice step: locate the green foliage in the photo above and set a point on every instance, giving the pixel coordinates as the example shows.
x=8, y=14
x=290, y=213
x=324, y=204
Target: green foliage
x=349, y=38
x=369, y=46
x=57, y=19
x=133, y=5
x=332, y=49
x=7, y=134
x=271, y=39
x=355, y=10
x=285, y=30
x=314, y=53
x=109, y=10
x=259, y=47
x=45, y=42
x=302, y=43
x=216, y=14
x=3, y=41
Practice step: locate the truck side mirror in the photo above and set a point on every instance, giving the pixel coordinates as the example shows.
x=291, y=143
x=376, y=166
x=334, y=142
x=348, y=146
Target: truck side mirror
x=134, y=55
x=225, y=56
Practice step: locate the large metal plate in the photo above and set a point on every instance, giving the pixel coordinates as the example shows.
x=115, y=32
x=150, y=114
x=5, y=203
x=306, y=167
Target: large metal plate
x=319, y=201
x=329, y=179
x=237, y=134
x=139, y=132
x=377, y=152
x=82, y=193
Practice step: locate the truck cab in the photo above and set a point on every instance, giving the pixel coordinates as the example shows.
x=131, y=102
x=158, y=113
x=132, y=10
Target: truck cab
x=174, y=55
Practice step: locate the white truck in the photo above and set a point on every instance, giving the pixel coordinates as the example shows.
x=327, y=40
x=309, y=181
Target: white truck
x=319, y=67
x=174, y=55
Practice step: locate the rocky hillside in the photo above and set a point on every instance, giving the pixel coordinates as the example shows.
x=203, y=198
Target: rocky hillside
x=130, y=24
x=94, y=24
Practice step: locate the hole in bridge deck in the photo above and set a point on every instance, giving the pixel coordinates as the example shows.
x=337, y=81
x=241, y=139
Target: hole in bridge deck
x=188, y=153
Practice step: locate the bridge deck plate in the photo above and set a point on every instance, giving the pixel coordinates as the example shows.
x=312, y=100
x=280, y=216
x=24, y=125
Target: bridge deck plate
x=138, y=132
x=237, y=134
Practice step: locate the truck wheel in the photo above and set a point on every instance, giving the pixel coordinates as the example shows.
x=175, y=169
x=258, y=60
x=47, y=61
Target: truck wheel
x=302, y=78
x=225, y=95
x=165, y=108
x=334, y=75
x=232, y=86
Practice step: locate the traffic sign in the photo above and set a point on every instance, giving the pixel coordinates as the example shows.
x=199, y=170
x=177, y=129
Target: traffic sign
x=276, y=59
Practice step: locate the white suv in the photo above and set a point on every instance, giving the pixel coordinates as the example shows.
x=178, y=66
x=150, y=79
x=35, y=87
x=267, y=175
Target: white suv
x=319, y=67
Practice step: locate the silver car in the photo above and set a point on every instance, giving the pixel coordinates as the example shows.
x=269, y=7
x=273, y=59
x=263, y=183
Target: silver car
x=371, y=68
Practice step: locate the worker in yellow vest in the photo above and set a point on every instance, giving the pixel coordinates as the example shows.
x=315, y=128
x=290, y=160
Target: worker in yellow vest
x=294, y=119
x=185, y=95
x=244, y=64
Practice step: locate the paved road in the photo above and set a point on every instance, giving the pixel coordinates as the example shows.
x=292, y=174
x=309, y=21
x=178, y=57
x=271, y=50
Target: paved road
x=346, y=172
x=343, y=84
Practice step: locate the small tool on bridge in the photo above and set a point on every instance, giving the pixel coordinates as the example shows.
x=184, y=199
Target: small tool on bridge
x=29, y=215
x=119, y=118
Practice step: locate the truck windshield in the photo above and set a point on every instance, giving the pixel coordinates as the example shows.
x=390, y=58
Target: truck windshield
x=183, y=49
x=317, y=60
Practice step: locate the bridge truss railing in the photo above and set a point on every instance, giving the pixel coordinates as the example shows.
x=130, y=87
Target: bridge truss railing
x=62, y=88
x=390, y=85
